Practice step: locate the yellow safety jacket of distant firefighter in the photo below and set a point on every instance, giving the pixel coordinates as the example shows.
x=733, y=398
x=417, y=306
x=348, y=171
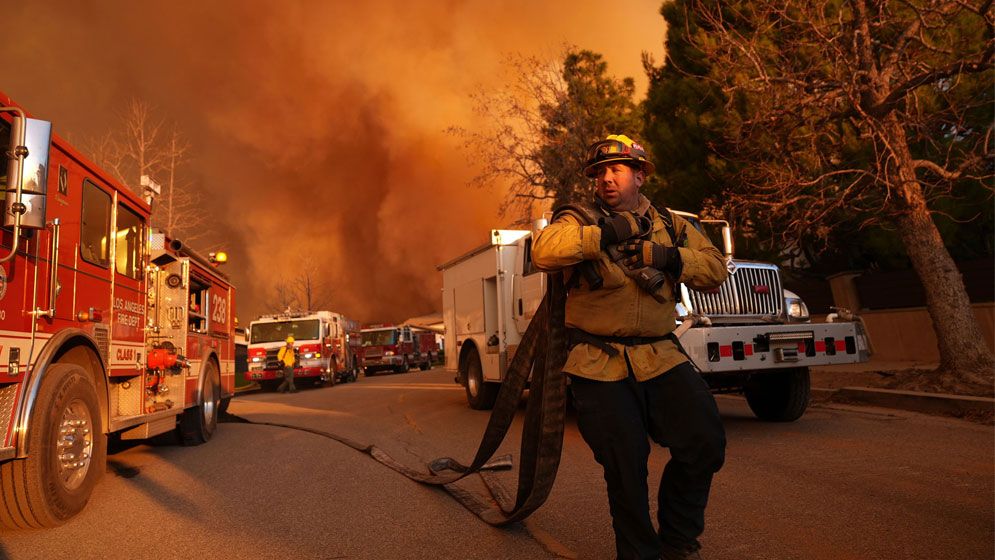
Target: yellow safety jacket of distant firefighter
x=286, y=356
x=620, y=307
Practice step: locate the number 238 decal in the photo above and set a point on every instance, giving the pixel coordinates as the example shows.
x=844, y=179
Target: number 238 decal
x=219, y=309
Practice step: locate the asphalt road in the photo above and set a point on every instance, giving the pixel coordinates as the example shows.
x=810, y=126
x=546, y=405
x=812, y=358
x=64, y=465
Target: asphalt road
x=841, y=483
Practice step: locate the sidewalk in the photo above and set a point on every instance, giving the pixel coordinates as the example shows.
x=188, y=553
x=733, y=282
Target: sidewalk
x=873, y=384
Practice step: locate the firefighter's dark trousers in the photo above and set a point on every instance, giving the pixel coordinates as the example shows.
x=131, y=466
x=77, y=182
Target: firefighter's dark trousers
x=288, y=380
x=677, y=411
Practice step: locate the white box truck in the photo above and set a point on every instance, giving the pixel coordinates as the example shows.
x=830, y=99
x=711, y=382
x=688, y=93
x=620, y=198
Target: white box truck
x=749, y=336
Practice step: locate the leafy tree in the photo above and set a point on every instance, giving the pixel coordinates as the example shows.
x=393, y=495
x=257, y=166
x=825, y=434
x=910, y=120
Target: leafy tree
x=841, y=116
x=538, y=126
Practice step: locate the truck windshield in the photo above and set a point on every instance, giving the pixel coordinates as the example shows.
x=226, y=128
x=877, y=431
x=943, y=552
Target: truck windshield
x=278, y=331
x=379, y=338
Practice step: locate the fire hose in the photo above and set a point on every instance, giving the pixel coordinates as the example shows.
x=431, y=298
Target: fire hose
x=542, y=351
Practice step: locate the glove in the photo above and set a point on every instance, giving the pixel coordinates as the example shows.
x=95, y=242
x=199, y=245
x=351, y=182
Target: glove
x=641, y=254
x=621, y=226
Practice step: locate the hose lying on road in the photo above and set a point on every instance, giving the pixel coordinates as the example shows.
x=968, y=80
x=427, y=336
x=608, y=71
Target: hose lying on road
x=542, y=351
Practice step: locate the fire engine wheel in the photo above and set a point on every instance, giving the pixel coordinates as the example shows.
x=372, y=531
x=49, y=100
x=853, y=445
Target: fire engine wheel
x=67, y=453
x=425, y=366
x=480, y=394
x=197, y=423
x=404, y=367
x=779, y=396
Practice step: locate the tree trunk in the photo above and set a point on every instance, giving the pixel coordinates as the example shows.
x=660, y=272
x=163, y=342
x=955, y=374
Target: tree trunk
x=964, y=355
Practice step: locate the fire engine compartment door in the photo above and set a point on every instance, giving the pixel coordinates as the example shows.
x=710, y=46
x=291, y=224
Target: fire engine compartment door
x=170, y=301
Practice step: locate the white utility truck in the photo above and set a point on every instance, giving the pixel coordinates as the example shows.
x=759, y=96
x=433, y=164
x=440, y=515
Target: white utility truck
x=749, y=336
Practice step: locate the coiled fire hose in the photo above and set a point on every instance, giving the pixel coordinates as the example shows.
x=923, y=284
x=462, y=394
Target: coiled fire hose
x=542, y=351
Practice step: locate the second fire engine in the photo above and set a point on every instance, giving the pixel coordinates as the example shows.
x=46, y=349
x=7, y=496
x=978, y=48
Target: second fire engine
x=326, y=343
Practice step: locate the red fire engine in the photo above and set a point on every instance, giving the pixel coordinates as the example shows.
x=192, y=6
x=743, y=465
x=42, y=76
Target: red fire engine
x=326, y=343
x=105, y=326
x=397, y=348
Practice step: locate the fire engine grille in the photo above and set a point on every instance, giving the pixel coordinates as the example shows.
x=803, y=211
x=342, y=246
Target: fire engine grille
x=100, y=335
x=272, y=362
x=373, y=352
x=8, y=396
x=751, y=290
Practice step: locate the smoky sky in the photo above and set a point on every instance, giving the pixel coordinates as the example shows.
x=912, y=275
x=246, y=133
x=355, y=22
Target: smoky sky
x=317, y=127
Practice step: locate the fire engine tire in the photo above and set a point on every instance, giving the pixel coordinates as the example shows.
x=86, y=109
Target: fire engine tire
x=197, y=423
x=270, y=385
x=479, y=394
x=779, y=396
x=68, y=453
x=425, y=366
x=404, y=367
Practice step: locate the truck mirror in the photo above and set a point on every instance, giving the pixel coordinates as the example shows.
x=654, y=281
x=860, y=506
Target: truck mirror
x=727, y=240
x=28, y=167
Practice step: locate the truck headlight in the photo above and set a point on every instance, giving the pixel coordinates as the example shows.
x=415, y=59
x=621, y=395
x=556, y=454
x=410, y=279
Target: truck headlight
x=257, y=359
x=388, y=353
x=797, y=310
x=308, y=356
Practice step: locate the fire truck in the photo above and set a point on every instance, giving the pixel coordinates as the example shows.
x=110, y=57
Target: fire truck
x=326, y=344
x=105, y=326
x=397, y=348
x=749, y=336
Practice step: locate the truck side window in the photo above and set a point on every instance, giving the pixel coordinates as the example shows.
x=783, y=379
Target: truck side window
x=197, y=310
x=527, y=267
x=128, y=243
x=95, y=225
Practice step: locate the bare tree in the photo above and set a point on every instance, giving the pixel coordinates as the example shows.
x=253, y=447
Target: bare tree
x=284, y=297
x=140, y=143
x=303, y=290
x=537, y=127
x=141, y=147
x=178, y=210
x=864, y=108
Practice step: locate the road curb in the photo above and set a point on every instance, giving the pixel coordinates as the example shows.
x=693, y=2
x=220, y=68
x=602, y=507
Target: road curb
x=939, y=404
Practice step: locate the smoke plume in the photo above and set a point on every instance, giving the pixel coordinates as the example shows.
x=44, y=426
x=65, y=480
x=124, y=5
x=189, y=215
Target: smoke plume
x=317, y=127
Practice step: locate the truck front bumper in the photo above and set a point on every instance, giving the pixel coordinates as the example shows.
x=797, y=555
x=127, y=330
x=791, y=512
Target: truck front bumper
x=383, y=361
x=760, y=347
x=271, y=374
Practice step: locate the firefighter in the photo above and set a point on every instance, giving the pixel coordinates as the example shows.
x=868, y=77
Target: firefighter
x=629, y=381
x=288, y=357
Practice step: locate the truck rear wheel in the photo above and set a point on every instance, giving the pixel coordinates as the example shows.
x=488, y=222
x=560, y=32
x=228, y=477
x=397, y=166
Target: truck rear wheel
x=67, y=453
x=479, y=393
x=197, y=424
x=780, y=395
x=404, y=367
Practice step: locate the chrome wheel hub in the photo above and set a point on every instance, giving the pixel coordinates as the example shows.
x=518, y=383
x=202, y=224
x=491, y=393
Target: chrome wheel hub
x=210, y=397
x=74, y=444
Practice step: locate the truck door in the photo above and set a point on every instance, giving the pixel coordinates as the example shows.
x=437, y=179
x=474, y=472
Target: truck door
x=529, y=285
x=128, y=270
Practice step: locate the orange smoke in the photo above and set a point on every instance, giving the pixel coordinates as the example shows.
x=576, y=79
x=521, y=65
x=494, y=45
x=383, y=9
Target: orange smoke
x=317, y=128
